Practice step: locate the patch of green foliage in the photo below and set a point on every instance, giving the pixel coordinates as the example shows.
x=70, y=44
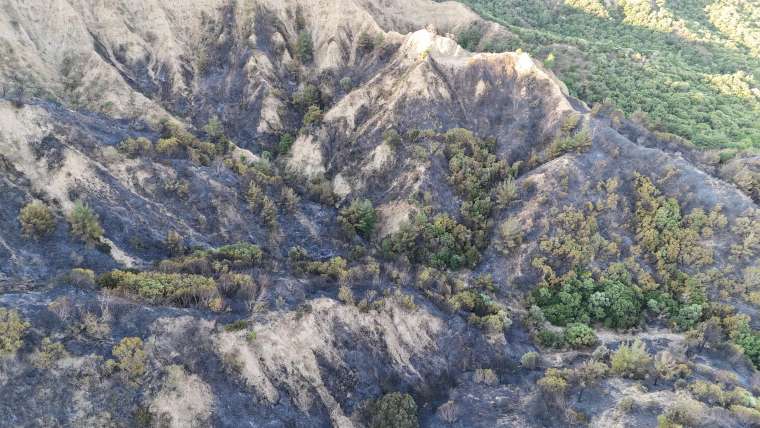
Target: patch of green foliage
x=613, y=300
x=134, y=147
x=177, y=142
x=579, y=335
x=484, y=311
x=440, y=242
x=37, y=220
x=394, y=410
x=444, y=242
x=632, y=360
x=12, y=330
x=240, y=255
x=85, y=224
x=747, y=338
x=359, y=218
x=304, y=47
x=690, y=69
x=130, y=358
x=162, y=288
x=473, y=171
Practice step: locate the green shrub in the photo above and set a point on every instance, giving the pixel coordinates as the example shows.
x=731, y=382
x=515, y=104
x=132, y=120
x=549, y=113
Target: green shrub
x=394, y=410
x=365, y=42
x=269, y=213
x=304, y=47
x=245, y=254
x=579, y=335
x=285, y=143
x=309, y=95
x=134, y=147
x=336, y=268
x=511, y=234
x=553, y=385
x=470, y=38
x=632, y=360
x=359, y=218
x=236, y=326
x=506, y=192
x=313, y=116
x=130, y=357
x=81, y=277
x=442, y=243
x=550, y=339
x=289, y=198
x=85, y=224
x=37, y=220
x=529, y=360
x=157, y=287
x=12, y=330
x=48, y=353
x=168, y=146
x=484, y=311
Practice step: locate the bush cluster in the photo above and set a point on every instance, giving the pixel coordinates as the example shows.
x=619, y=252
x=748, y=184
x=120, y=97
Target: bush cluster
x=483, y=310
x=163, y=288
x=442, y=242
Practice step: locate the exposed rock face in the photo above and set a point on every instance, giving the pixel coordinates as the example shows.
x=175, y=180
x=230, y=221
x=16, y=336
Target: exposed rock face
x=97, y=72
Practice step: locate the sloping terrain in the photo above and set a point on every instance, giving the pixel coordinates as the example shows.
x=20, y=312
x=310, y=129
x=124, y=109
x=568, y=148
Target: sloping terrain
x=300, y=213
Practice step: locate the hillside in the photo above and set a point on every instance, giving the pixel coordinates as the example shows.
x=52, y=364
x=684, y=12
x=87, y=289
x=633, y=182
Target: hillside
x=359, y=213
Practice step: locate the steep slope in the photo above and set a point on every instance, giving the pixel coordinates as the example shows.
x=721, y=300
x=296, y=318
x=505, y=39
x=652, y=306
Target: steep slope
x=252, y=285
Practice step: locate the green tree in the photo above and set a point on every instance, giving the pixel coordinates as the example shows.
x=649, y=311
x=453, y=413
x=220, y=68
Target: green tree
x=394, y=410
